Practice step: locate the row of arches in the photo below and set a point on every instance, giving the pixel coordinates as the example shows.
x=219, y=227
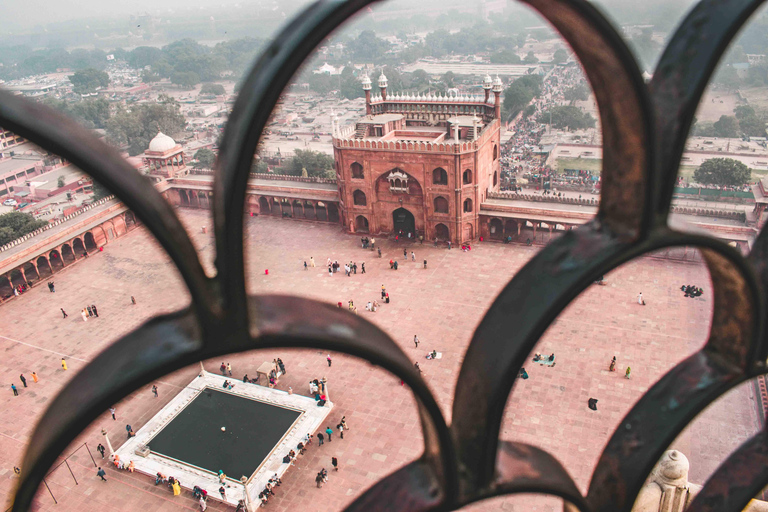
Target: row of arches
x=362, y=225
x=298, y=208
x=522, y=229
x=45, y=265
x=439, y=175
x=194, y=198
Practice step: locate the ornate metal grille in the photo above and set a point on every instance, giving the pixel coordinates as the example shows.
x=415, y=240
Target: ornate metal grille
x=644, y=131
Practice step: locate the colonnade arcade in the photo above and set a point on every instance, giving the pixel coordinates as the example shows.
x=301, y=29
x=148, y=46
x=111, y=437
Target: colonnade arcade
x=296, y=208
x=43, y=266
x=497, y=228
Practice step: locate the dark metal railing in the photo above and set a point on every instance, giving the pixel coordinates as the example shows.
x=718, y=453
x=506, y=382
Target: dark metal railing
x=644, y=132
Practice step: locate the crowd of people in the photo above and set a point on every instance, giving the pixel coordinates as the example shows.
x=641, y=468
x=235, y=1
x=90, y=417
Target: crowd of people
x=691, y=291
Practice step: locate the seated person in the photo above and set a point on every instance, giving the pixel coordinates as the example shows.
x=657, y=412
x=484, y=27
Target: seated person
x=226, y=383
x=160, y=478
x=245, y=378
x=552, y=357
x=523, y=373
x=300, y=447
x=537, y=357
x=432, y=355
x=287, y=459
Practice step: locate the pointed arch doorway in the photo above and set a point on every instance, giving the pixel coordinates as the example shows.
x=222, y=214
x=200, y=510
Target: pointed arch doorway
x=402, y=220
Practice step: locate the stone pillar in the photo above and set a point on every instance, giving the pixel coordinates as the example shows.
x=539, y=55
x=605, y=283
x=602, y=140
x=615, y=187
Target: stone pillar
x=106, y=438
x=325, y=391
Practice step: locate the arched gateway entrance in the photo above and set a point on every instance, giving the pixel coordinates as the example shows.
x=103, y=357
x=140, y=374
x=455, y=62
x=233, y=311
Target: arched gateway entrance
x=402, y=220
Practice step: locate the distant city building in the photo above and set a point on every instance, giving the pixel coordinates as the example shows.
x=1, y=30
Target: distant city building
x=419, y=165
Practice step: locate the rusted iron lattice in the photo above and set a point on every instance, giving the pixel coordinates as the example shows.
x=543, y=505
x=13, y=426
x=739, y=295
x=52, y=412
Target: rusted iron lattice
x=644, y=131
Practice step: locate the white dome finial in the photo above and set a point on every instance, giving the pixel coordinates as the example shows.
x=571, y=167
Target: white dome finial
x=382, y=81
x=487, y=82
x=497, y=85
x=366, y=82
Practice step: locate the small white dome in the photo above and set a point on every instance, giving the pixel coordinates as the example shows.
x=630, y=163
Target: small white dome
x=487, y=82
x=366, y=82
x=497, y=85
x=382, y=81
x=161, y=143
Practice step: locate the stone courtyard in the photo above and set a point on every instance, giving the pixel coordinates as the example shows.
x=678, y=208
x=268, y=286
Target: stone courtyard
x=441, y=304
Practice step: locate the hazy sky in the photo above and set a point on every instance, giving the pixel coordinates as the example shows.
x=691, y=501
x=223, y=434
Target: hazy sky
x=34, y=12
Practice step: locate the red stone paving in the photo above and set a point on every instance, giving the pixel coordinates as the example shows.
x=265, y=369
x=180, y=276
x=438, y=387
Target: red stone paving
x=442, y=304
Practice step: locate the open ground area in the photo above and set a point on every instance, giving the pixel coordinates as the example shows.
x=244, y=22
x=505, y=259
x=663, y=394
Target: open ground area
x=441, y=304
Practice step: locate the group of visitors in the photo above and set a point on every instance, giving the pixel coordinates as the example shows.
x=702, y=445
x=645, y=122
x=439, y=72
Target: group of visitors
x=691, y=291
x=366, y=243
x=317, y=389
x=269, y=488
x=119, y=464
x=87, y=312
x=19, y=289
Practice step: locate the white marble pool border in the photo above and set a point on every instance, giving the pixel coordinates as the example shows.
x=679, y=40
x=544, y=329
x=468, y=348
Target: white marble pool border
x=310, y=419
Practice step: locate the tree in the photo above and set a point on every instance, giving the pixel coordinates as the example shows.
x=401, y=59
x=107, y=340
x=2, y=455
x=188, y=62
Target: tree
x=722, y=172
x=89, y=80
x=136, y=127
x=726, y=126
x=144, y=56
x=560, y=56
x=749, y=123
x=578, y=92
x=521, y=92
x=505, y=57
x=530, y=58
x=315, y=163
x=569, y=117
x=419, y=78
x=215, y=89
x=186, y=79
x=349, y=85
x=448, y=79
x=367, y=47
x=16, y=224
x=205, y=159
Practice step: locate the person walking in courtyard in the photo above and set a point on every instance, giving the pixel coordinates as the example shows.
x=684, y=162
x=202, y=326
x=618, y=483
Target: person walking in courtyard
x=362, y=268
x=319, y=480
x=329, y=359
x=329, y=432
x=312, y=261
x=133, y=300
x=281, y=365
x=626, y=374
x=203, y=504
x=101, y=450
x=15, y=391
x=34, y=377
x=305, y=265
x=84, y=314
x=23, y=380
x=154, y=390
x=63, y=363
x=340, y=428
x=112, y=412
x=320, y=439
x=416, y=341
x=95, y=311
x=64, y=312
x=229, y=369
x=640, y=299
x=335, y=463
x=343, y=422
x=612, y=368
x=379, y=251
x=413, y=256
x=223, y=369
x=416, y=365
x=101, y=474
x=89, y=310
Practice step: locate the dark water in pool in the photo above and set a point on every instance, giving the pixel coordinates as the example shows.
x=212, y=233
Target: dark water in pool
x=253, y=430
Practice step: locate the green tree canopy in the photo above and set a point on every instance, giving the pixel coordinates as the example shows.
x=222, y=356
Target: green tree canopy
x=16, y=224
x=530, y=58
x=136, y=127
x=91, y=113
x=567, y=116
x=722, y=172
x=560, y=56
x=187, y=79
x=205, y=158
x=579, y=92
x=368, y=48
x=521, y=92
x=726, y=126
x=215, y=89
x=88, y=80
x=316, y=163
x=505, y=57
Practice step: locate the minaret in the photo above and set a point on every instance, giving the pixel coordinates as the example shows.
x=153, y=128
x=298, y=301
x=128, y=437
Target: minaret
x=487, y=87
x=383, y=86
x=367, y=89
x=497, y=87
